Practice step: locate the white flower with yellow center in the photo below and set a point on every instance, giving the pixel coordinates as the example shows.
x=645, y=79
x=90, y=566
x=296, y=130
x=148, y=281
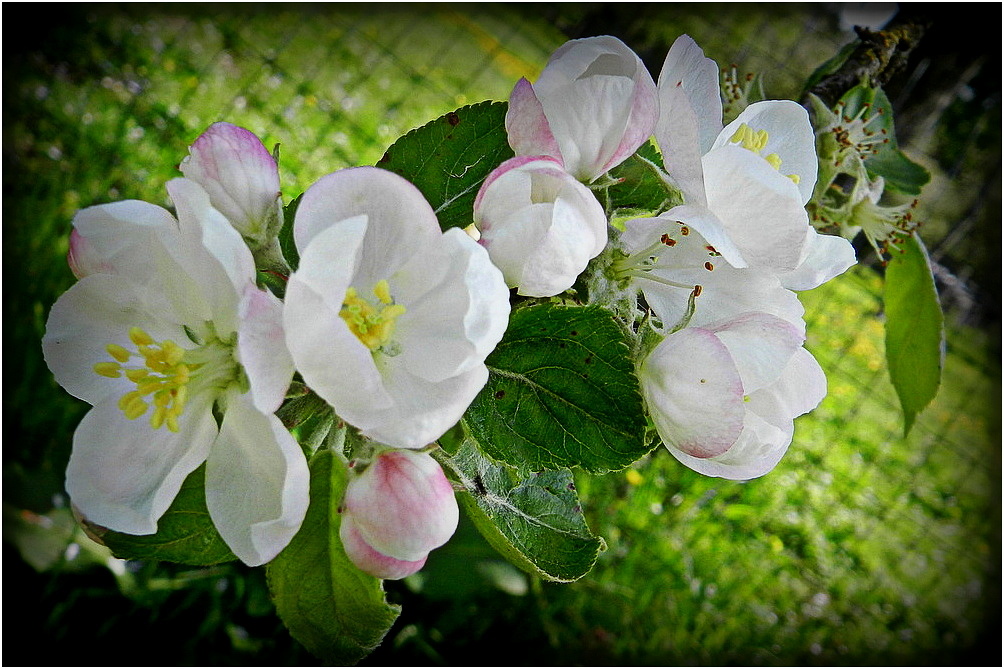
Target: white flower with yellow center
x=164, y=331
x=745, y=186
x=388, y=318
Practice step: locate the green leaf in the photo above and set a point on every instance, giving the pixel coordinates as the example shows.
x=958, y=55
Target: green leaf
x=339, y=613
x=185, y=533
x=448, y=159
x=561, y=392
x=900, y=173
x=536, y=522
x=914, y=329
x=641, y=187
x=286, y=242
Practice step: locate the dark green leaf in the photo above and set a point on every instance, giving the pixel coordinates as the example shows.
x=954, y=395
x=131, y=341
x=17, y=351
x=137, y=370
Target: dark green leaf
x=448, y=159
x=641, y=187
x=286, y=242
x=561, y=392
x=185, y=533
x=914, y=329
x=899, y=172
x=338, y=613
x=536, y=523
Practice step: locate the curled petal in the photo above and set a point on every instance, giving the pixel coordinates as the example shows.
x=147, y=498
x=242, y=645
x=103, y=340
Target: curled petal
x=370, y=560
x=824, y=257
x=261, y=343
x=694, y=393
x=256, y=482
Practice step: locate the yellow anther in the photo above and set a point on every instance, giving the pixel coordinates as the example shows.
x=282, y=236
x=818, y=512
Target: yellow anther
x=112, y=370
x=135, y=408
x=774, y=160
x=172, y=421
x=157, y=419
x=140, y=337
x=795, y=178
x=118, y=352
x=372, y=324
x=137, y=375
x=382, y=291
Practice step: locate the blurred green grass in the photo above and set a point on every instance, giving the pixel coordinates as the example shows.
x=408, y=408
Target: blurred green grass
x=860, y=548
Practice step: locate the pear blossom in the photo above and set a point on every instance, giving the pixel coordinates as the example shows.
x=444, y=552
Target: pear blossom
x=541, y=227
x=724, y=396
x=395, y=512
x=241, y=178
x=593, y=105
x=165, y=329
x=388, y=318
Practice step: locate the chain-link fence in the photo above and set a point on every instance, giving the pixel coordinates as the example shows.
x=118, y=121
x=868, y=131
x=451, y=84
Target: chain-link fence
x=862, y=546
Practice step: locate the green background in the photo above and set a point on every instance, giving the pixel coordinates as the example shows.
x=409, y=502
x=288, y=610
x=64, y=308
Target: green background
x=861, y=547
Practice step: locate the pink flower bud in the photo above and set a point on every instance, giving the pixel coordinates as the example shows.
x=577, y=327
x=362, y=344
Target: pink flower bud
x=241, y=177
x=396, y=511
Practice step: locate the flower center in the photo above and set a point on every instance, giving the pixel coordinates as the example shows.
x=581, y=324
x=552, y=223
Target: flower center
x=756, y=141
x=168, y=374
x=372, y=322
x=639, y=265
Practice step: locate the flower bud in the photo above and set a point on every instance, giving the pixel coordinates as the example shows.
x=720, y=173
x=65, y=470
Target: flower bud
x=540, y=226
x=593, y=105
x=241, y=177
x=396, y=511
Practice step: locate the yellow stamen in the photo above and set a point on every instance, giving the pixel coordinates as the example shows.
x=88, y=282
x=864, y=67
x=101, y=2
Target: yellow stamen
x=112, y=370
x=118, y=352
x=373, y=324
x=140, y=337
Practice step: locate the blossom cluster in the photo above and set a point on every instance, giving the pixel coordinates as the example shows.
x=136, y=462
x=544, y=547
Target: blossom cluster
x=186, y=358
x=712, y=281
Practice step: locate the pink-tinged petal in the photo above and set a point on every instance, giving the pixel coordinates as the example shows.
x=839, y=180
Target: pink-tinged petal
x=500, y=195
x=690, y=116
x=123, y=474
x=759, y=208
x=526, y=126
x=789, y=135
x=642, y=119
x=756, y=452
x=401, y=221
x=240, y=176
x=824, y=257
x=694, y=393
x=261, y=345
x=760, y=345
x=402, y=504
x=97, y=311
x=256, y=482
x=369, y=560
x=83, y=259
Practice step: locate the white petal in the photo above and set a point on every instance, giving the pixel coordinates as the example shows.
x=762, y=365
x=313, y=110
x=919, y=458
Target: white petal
x=457, y=308
x=401, y=222
x=256, y=482
x=760, y=345
x=711, y=228
x=331, y=359
x=799, y=390
x=759, y=208
x=694, y=393
x=261, y=343
x=824, y=257
x=123, y=474
x=125, y=237
x=690, y=115
x=96, y=311
x=789, y=135
x=422, y=411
